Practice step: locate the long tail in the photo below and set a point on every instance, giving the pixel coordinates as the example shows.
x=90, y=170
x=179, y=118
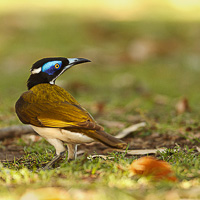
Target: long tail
x=100, y=135
x=109, y=140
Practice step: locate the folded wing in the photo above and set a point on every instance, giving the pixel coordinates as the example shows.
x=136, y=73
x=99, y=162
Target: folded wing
x=60, y=110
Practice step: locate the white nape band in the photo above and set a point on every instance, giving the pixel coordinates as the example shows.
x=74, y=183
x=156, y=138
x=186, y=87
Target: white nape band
x=36, y=71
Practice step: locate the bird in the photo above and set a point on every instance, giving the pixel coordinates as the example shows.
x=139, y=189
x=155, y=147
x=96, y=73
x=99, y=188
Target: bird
x=55, y=114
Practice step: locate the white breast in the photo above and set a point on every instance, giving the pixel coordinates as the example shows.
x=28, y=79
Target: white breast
x=63, y=135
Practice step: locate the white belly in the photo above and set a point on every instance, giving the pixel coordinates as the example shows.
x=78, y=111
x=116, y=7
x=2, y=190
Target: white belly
x=63, y=135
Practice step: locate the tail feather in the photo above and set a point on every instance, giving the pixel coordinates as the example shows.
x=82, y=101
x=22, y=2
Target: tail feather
x=109, y=140
x=101, y=136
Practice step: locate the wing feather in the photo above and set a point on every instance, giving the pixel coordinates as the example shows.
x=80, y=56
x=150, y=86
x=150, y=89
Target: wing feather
x=47, y=105
x=59, y=110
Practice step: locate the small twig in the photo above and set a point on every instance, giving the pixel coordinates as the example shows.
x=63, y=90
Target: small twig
x=105, y=157
x=130, y=129
x=139, y=151
x=129, y=152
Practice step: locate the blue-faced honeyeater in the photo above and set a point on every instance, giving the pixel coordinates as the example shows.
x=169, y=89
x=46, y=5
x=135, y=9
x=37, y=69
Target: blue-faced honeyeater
x=54, y=114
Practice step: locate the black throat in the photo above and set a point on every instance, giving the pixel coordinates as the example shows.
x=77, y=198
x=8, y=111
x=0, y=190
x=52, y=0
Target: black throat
x=36, y=79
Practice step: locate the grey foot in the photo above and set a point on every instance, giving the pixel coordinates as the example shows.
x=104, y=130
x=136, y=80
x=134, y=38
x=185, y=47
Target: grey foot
x=55, y=159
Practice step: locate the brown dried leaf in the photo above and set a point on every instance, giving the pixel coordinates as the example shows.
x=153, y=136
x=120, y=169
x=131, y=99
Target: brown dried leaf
x=150, y=166
x=182, y=106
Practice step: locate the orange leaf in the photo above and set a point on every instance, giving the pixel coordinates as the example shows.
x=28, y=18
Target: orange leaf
x=150, y=166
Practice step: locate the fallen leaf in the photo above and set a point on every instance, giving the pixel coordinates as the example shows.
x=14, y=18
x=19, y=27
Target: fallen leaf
x=182, y=106
x=150, y=166
x=100, y=107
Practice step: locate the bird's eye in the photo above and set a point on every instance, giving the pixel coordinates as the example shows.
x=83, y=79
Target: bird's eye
x=56, y=65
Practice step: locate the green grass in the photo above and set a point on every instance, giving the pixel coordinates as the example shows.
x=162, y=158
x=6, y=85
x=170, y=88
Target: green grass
x=125, y=85
x=111, y=177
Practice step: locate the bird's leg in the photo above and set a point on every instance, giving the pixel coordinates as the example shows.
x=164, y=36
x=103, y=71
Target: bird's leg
x=55, y=159
x=72, y=149
x=60, y=151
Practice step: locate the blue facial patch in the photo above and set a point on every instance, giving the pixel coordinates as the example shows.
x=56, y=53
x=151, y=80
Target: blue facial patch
x=51, y=67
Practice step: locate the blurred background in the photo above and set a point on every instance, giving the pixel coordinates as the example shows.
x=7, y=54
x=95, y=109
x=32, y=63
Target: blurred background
x=145, y=54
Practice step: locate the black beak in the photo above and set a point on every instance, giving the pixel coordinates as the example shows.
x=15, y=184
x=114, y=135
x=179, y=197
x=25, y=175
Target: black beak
x=75, y=61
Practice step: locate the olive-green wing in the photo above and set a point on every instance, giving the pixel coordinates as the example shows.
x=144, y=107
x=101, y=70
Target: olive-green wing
x=53, y=114
x=59, y=109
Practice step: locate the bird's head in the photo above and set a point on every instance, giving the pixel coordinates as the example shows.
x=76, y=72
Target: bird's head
x=47, y=70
